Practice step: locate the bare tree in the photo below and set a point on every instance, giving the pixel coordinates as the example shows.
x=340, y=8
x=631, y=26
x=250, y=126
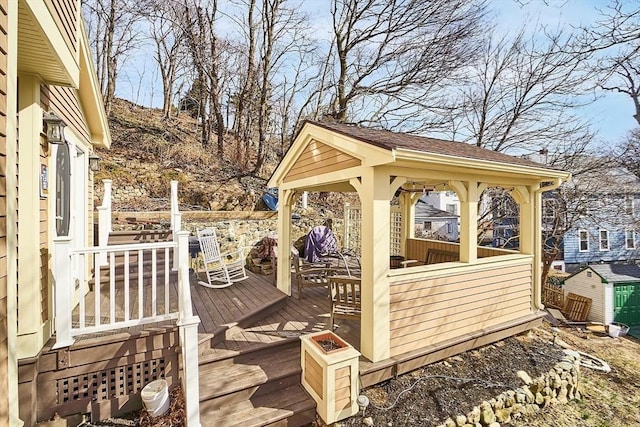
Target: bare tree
x=113, y=33
x=520, y=95
x=167, y=30
x=204, y=49
x=391, y=55
x=616, y=38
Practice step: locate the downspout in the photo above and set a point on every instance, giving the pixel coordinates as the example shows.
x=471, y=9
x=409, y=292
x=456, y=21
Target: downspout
x=537, y=257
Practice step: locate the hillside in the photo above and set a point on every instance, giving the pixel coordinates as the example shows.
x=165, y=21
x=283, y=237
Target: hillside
x=148, y=152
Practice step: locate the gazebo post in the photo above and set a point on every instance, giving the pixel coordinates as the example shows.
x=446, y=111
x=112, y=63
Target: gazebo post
x=469, y=195
x=285, y=204
x=376, y=210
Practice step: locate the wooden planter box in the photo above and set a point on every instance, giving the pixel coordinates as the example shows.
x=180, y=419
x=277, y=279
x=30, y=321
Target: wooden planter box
x=330, y=375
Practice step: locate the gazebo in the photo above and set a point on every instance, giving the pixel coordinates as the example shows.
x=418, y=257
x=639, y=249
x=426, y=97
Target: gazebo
x=416, y=310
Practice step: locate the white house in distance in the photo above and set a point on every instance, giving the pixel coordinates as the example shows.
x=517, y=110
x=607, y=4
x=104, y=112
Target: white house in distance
x=443, y=200
x=434, y=223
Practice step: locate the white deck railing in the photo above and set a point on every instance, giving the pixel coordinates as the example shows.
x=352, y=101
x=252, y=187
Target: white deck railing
x=123, y=295
x=126, y=297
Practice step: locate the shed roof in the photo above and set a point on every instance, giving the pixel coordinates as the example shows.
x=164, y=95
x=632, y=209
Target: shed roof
x=617, y=273
x=429, y=211
x=394, y=140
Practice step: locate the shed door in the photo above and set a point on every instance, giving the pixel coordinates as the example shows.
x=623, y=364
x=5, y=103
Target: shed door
x=626, y=304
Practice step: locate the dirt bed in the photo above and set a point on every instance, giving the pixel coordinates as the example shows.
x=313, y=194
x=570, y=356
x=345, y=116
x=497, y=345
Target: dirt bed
x=429, y=395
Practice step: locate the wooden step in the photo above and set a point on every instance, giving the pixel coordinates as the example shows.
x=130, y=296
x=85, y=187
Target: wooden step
x=256, y=388
x=290, y=407
x=248, y=370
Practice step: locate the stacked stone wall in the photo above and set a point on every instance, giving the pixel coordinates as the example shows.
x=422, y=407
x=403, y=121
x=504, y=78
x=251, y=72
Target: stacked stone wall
x=559, y=385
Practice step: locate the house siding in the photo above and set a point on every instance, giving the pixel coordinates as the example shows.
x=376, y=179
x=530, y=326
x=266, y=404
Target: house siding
x=64, y=101
x=65, y=13
x=429, y=311
x=617, y=246
x=317, y=159
x=590, y=287
x=4, y=156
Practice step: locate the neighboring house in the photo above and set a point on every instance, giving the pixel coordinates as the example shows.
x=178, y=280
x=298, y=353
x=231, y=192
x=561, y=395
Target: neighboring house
x=433, y=223
x=614, y=290
x=444, y=200
x=607, y=229
x=46, y=73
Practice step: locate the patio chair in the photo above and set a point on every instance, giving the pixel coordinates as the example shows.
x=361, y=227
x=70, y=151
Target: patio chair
x=345, y=298
x=222, y=270
x=310, y=275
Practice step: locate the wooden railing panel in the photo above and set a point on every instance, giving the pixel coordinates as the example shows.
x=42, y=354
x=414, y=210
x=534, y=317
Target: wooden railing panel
x=468, y=299
x=417, y=249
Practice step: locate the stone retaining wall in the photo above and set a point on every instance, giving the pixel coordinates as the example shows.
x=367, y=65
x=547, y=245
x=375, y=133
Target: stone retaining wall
x=234, y=229
x=559, y=385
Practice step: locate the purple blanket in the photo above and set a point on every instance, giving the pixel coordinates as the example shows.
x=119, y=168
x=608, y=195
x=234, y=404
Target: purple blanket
x=320, y=242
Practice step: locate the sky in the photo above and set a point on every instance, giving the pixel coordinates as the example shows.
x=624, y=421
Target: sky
x=611, y=114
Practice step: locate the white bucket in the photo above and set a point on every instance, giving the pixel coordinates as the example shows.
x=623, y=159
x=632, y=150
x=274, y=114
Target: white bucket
x=155, y=397
x=614, y=330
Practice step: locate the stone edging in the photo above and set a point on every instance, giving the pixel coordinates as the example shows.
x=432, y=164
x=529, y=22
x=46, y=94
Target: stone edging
x=559, y=385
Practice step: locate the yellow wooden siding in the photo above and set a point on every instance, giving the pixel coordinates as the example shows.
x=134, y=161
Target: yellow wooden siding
x=343, y=388
x=44, y=245
x=4, y=350
x=65, y=14
x=430, y=311
x=417, y=249
x=317, y=159
x=65, y=102
x=313, y=374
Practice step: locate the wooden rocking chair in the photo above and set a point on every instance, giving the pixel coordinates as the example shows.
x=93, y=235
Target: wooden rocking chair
x=222, y=270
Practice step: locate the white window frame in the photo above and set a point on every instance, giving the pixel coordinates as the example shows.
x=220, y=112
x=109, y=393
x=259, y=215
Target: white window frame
x=628, y=205
x=630, y=239
x=604, y=248
x=580, y=240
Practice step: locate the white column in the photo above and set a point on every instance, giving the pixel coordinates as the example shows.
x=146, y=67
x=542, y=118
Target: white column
x=188, y=324
x=63, y=286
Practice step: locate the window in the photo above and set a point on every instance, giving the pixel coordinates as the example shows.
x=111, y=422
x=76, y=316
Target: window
x=63, y=190
x=427, y=225
x=452, y=208
x=548, y=209
x=588, y=273
x=583, y=236
x=604, y=240
x=628, y=206
x=629, y=238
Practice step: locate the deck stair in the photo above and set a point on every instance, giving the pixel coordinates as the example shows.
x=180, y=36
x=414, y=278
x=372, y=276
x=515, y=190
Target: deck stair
x=256, y=384
x=240, y=385
x=259, y=387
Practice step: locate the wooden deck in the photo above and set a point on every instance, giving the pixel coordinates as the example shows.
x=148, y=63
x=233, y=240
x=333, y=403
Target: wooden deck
x=253, y=313
x=248, y=313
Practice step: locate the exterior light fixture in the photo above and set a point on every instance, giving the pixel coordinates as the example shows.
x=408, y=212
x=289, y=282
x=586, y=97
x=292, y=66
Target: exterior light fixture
x=55, y=127
x=94, y=163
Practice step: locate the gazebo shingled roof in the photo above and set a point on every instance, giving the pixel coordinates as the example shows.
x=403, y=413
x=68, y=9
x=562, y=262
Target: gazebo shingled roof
x=394, y=140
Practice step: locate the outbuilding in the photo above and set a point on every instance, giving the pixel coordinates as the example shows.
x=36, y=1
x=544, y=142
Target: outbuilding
x=614, y=290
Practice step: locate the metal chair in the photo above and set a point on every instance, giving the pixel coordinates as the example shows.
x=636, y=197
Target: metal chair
x=222, y=270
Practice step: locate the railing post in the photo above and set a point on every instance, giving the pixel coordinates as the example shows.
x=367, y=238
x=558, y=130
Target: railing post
x=104, y=220
x=62, y=283
x=188, y=325
x=176, y=220
x=174, y=205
